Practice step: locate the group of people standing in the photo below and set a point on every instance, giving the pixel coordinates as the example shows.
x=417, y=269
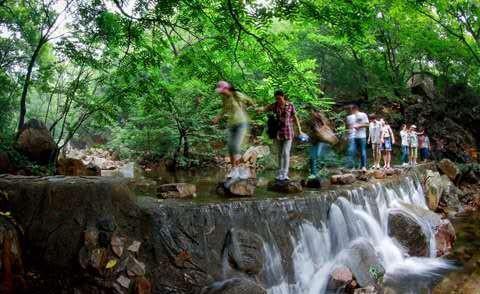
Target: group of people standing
x=284, y=120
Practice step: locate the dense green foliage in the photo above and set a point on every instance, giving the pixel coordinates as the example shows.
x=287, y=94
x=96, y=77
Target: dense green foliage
x=145, y=71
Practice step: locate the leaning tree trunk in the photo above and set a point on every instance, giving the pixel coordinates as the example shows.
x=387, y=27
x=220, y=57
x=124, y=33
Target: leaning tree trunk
x=26, y=85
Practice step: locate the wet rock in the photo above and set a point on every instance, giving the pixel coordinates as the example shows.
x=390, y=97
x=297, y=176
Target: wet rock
x=287, y=187
x=135, y=246
x=143, y=286
x=177, y=190
x=408, y=232
x=312, y=183
x=448, y=168
x=364, y=263
x=451, y=197
x=444, y=237
x=237, y=188
x=344, y=179
x=435, y=185
x=244, y=251
x=135, y=268
x=234, y=286
x=117, y=245
x=340, y=278
x=36, y=142
x=379, y=174
x=366, y=290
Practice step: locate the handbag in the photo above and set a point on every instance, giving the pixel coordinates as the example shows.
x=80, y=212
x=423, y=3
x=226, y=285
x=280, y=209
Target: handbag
x=272, y=126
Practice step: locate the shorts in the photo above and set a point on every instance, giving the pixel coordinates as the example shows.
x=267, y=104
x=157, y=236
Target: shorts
x=387, y=144
x=236, y=133
x=376, y=147
x=414, y=152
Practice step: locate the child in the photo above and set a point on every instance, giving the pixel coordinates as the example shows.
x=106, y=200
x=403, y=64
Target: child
x=404, y=138
x=413, y=143
x=424, y=145
x=387, y=140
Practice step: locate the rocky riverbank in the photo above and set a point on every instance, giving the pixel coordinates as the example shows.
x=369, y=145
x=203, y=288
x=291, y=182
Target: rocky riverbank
x=93, y=235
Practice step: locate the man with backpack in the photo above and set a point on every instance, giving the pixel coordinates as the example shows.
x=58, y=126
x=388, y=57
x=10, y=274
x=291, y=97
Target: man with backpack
x=281, y=126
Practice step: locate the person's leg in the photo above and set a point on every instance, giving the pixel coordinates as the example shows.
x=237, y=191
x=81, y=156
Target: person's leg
x=404, y=154
x=314, y=153
x=351, y=153
x=378, y=150
x=414, y=155
x=362, y=142
x=280, y=158
x=236, y=136
x=287, y=146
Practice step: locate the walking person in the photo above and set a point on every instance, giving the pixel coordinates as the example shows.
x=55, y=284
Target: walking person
x=233, y=109
x=405, y=145
x=374, y=138
x=357, y=124
x=286, y=116
x=322, y=138
x=424, y=145
x=387, y=139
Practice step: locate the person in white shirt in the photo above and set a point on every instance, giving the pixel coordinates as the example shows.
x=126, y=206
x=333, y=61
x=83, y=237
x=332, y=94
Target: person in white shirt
x=374, y=138
x=413, y=144
x=357, y=124
x=387, y=139
x=405, y=145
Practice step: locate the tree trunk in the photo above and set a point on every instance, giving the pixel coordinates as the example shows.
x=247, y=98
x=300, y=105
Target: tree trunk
x=26, y=84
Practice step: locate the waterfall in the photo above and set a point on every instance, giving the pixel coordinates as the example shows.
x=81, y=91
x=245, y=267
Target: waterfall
x=360, y=217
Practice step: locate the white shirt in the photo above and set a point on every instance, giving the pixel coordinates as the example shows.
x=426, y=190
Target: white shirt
x=404, y=136
x=375, y=132
x=361, y=118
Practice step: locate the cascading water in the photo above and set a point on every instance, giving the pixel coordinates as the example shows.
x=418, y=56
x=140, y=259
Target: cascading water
x=360, y=218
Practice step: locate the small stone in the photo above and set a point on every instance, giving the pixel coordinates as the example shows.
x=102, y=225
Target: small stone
x=90, y=237
x=123, y=281
x=287, y=187
x=135, y=246
x=379, y=174
x=135, y=267
x=117, y=245
x=143, y=286
x=344, y=179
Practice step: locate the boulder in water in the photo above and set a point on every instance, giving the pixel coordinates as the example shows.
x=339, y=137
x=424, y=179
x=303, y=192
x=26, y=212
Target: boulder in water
x=379, y=174
x=344, y=179
x=435, y=185
x=451, y=197
x=177, y=190
x=237, y=188
x=340, y=277
x=312, y=183
x=244, y=251
x=36, y=142
x=444, y=237
x=408, y=232
x=234, y=286
x=448, y=168
x=364, y=263
x=287, y=187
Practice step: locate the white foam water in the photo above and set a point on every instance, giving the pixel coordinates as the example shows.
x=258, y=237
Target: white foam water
x=357, y=218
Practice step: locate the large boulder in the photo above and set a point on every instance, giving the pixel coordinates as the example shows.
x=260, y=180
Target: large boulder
x=234, y=286
x=36, y=142
x=410, y=225
x=408, y=232
x=448, y=168
x=365, y=263
x=287, y=187
x=422, y=84
x=244, y=251
x=177, y=190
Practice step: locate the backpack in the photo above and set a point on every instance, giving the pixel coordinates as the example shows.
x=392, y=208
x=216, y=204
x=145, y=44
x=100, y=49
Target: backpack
x=272, y=126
